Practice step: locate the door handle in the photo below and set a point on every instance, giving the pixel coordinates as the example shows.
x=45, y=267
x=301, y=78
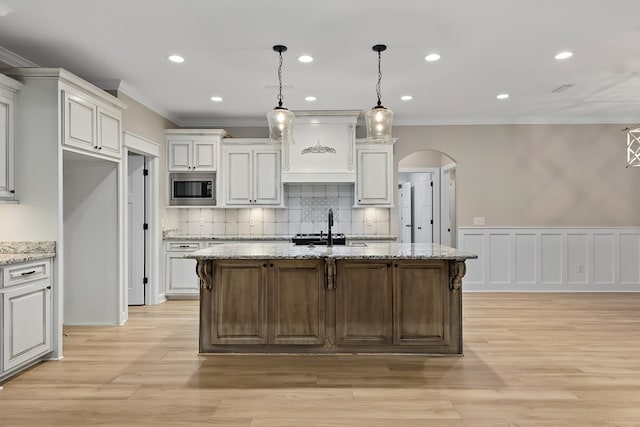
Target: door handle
x=419, y=228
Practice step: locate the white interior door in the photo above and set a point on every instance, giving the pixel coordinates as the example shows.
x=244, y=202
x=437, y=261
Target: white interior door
x=448, y=231
x=423, y=210
x=136, y=198
x=405, y=212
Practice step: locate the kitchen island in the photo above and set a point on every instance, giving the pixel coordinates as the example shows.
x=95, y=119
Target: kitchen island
x=379, y=298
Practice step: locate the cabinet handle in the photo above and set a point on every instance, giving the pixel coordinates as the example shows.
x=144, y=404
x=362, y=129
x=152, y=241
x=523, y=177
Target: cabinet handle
x=95, y=146
x=49, y=287
x=183, y=246
x=99, y=148
x=264, y=265
x=26, y=273
x=12, y=191
x=270, y=265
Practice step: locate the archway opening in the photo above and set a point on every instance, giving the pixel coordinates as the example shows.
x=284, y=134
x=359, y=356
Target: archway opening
x=427, y=198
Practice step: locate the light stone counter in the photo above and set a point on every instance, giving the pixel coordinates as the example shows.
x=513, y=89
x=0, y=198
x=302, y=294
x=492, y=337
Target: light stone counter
x=286, y=250
x=16, y=252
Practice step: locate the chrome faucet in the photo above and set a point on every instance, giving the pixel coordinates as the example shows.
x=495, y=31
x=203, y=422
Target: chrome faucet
x=330, y=224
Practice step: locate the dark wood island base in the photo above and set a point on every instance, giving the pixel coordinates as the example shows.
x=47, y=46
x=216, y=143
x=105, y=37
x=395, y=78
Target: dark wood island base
x=331, y=302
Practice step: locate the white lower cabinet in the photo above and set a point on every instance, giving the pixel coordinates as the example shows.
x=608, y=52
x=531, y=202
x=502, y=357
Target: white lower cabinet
x=181, y=278
x=25, y=295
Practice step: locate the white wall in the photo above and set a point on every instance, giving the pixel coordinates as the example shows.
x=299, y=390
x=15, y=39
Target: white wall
x=91, y=242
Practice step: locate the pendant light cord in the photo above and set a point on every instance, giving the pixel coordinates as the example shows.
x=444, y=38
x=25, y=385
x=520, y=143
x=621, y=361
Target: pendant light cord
x=280, y=81
x=379, y=79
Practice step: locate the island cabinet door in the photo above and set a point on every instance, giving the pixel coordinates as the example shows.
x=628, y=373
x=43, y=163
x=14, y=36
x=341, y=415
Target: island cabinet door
x=296, y=302
x=422, y=309
x=239, y=302
x=363, y=302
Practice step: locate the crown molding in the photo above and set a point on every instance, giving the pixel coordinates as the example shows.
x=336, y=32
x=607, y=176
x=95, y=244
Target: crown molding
x=13, y=59
x=135, y=94
x=222, y=123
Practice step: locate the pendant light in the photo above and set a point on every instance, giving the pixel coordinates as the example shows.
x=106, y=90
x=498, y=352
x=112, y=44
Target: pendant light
x=280, y=119
x=379, y=119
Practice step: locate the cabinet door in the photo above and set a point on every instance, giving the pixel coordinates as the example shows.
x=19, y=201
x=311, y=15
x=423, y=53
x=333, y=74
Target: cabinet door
x=266, y=177
x=363, y=303
x=27, y=323
x=238, y=177
x=204, y=156
x=374, y=176
x=296, y=302
x=109, y=132
x=181, y=275
x=179, y=156
x=6, y=148
x=422, y=313
x=79, y=122
x=239, y=296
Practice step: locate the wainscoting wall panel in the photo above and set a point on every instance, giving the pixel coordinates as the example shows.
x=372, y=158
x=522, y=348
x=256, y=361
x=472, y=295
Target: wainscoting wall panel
x=552, y=259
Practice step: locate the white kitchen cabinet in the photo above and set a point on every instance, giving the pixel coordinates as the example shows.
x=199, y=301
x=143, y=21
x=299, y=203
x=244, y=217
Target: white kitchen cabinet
x=181, y=278
x=25, y=295
x=375, y=175
x=90, y=125
x=193, y=150
x=8, y=93
x=251, y=174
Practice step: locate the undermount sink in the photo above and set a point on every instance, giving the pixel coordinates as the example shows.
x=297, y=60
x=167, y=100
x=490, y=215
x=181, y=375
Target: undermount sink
x=318, y=239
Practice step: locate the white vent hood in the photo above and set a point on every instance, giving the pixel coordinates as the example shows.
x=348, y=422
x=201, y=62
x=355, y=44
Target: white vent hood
x=324, y=148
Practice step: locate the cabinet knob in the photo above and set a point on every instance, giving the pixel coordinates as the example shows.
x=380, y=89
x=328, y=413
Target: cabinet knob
x=12, y=191
x=264, y=265
x=49, y=287
x=99, y=148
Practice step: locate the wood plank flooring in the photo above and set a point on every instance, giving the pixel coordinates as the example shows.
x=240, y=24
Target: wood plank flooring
x=562, y=360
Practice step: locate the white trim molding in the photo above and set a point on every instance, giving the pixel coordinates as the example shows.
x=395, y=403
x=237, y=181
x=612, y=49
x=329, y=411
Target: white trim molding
x=552, y=259
x=13, y=59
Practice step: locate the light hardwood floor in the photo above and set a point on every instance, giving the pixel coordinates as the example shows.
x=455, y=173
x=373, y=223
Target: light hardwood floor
x=530, y=360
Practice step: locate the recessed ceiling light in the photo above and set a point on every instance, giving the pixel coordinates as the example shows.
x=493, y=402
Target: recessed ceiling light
x=305, y=58
x=216, y=98
x=176, y=58
x=406, y=97
x=310, y=98
x=503, y=96
x=432, y=57
x=564, y=55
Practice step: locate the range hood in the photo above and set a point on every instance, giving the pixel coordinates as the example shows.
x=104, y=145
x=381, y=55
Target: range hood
x=324, y=148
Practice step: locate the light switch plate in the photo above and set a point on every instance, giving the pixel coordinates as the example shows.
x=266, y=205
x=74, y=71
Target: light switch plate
x=478, y=220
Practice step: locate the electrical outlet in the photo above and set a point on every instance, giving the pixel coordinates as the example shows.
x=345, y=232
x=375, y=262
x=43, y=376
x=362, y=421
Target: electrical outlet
x=478, y=220
x=252, y=221
x=369, y=221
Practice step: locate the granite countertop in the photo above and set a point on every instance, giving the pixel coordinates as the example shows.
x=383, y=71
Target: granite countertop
x=16, y=252
x=283, y=250
x=286, y=238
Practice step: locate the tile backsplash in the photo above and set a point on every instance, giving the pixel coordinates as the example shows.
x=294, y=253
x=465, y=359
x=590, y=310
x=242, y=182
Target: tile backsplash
x=306, y=212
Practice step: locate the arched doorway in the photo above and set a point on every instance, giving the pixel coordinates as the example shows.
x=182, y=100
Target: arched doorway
x=427, y=198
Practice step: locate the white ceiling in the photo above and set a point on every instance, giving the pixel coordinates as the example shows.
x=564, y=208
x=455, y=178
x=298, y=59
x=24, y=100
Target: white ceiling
x=487, y=47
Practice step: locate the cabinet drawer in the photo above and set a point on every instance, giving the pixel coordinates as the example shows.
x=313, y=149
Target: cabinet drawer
x=25, y=273
x=182, y=246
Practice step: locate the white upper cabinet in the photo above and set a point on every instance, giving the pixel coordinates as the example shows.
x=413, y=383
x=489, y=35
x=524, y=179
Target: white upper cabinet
x=90, y=125
x=193, y=150
x=251, y=173
x=375, y=175
x=8, y=92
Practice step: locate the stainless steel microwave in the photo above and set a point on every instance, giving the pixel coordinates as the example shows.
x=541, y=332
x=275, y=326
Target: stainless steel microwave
x=192, y=189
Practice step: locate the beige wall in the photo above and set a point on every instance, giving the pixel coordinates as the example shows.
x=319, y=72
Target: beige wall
x=535, y=175
x=423, y=159
x=142, y=121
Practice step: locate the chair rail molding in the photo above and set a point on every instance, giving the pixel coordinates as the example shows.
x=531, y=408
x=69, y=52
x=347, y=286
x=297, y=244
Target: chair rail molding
x=552, y=259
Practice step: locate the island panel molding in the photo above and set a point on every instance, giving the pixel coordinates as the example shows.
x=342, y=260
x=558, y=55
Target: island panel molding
x=382, y=298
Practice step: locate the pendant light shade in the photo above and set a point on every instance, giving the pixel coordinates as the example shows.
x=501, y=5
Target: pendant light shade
x=379, y=118
x=280, y=119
